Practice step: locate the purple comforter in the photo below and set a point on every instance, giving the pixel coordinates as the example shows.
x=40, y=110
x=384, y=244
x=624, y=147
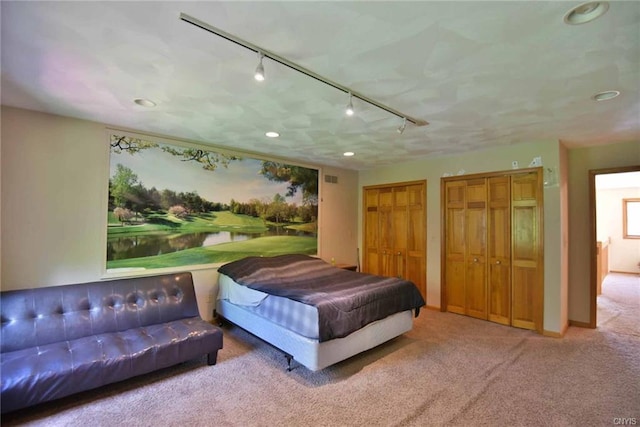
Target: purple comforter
x=346, y=300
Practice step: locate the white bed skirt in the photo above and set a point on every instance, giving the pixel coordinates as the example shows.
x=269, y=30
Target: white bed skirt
x=308, y=352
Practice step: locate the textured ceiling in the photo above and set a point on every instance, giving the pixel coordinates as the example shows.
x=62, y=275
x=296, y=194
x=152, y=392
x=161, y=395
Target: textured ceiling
x=481, y=73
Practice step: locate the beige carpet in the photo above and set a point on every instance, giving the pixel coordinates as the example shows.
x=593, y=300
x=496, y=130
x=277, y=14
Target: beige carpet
x=450, y=370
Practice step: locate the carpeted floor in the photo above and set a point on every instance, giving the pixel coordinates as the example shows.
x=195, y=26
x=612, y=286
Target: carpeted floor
x=449, y=370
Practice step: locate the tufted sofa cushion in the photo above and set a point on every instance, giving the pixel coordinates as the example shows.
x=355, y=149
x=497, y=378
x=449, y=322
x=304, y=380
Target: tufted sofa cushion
x=61, y=340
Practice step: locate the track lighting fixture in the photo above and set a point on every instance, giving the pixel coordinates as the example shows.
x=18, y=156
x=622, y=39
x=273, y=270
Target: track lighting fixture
x=403, y=126
x=259, y=75
x=349, y=111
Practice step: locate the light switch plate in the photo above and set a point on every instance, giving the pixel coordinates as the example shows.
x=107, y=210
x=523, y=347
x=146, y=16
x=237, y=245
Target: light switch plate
x=514, y=164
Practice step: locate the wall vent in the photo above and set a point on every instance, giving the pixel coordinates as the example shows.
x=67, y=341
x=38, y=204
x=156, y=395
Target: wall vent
x=331, y=179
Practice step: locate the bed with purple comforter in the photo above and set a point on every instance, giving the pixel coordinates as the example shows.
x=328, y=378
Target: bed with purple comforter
x=346, y=301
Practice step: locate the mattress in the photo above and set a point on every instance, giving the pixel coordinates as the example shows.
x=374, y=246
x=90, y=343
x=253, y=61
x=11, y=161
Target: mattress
x=292, y=315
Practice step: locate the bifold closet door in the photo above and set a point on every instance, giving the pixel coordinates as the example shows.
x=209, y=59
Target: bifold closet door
x=476, y=248
x=493, y=248
x=499, y=249
x=416, y=241
x=371, y=232
x=455, y=235
x=526, y=292
x=386, y=232
x=395, y=231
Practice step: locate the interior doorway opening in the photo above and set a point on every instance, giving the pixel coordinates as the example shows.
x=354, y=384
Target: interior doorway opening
x=607, y=190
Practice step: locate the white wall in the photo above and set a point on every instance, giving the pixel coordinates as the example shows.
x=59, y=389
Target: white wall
x=54, y=177
x=624, y=254
x=581, y=160
x=497, y=159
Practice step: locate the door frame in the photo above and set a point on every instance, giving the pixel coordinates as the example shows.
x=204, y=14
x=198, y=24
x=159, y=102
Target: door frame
x=593, y=238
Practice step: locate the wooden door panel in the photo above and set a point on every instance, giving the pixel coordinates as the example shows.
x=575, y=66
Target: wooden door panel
x=476, y=246
x=525, y=188
x=456, y=232
x=475, y=292
x=476, y=233
x=476, y=192
x=400, y=230
x=523, y=306
x=387, y=263
x=385, y=222
x=371, y=198
x=416, y=271
x=371, y=259
x=416, y=255
x=372, y=262
x=400, y=197
x=455, y=192
x=499, y=250
x=524, y=233
x=455, y=246
x=455, y=272
x=526, y=276
x=499, y=294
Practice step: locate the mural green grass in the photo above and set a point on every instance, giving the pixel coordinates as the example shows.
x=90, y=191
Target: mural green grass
x=214, y=221
x=223, y=252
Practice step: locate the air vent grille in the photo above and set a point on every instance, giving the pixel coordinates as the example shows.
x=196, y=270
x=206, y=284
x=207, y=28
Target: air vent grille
x=331, y=179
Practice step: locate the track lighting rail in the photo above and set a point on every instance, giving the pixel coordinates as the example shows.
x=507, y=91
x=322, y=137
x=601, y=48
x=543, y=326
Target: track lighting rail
x=279, y=59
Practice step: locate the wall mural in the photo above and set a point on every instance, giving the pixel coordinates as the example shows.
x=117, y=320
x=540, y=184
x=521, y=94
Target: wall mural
x=175, y=206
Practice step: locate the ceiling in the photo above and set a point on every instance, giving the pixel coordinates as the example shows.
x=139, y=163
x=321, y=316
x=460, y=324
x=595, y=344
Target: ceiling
x=483, y=74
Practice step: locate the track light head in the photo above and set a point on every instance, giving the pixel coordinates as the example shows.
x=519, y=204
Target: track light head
x=350, y=111
x=403, y=126
x=259, y=75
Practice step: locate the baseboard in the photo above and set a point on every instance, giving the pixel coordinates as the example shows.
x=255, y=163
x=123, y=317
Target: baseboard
x=432, y=307
x=580, y=324
x=554, y=334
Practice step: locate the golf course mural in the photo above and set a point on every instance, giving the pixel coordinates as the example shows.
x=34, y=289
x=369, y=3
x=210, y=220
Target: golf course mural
x=173, y=205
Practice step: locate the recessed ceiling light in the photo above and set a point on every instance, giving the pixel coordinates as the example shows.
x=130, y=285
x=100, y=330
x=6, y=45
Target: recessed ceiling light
x=272, y=134
x=586, y=12
x=606, y=95
x=348, y=153
x=145, y=102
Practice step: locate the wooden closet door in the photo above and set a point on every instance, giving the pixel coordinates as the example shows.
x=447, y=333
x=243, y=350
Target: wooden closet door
x=476, y=246
x=371, y=232
x=499, y=249
x=386, y=233
x=416, y=250
x=395, y=231
x=455, y=244
x=526, y=241
x=400, y=232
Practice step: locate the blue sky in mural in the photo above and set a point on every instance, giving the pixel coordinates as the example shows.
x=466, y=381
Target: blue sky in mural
x=240, y=181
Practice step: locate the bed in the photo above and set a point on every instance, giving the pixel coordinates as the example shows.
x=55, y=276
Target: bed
x=316, y=313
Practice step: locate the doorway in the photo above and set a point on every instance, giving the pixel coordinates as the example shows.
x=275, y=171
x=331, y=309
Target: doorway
x=598, y=242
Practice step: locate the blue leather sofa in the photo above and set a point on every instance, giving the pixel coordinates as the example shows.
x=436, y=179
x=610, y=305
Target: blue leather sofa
x=61, y=340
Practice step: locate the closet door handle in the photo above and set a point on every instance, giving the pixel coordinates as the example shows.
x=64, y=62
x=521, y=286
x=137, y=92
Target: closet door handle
x=475, y=260
x=498, y=262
